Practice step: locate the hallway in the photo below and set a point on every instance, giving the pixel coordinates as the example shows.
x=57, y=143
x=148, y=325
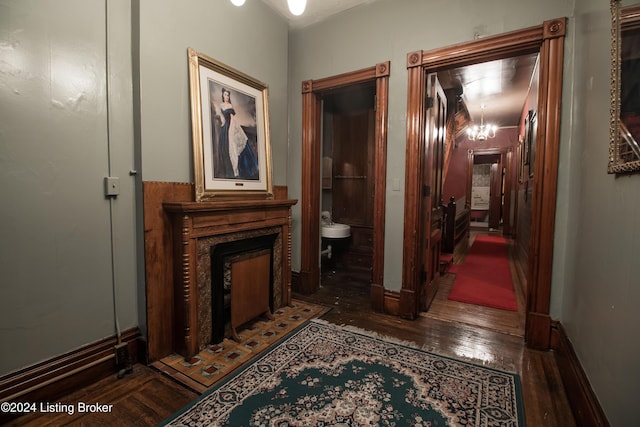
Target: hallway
x=504, y=321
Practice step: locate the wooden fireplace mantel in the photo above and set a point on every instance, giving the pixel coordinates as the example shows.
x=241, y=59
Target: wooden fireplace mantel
x=192, y=221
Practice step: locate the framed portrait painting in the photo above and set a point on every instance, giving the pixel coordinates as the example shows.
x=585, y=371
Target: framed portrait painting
x=230, y=127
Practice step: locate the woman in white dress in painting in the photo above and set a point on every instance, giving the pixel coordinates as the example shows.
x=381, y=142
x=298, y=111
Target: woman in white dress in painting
x=236, y=158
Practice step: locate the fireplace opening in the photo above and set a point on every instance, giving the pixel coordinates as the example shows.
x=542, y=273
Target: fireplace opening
x=241, y=283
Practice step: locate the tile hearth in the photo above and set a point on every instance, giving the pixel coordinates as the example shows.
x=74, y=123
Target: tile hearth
x=216, y=361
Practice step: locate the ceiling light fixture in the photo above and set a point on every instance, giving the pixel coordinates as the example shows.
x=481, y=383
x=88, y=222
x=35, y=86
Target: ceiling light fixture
x=237, y=2
x=483, y=132
x=297, y=6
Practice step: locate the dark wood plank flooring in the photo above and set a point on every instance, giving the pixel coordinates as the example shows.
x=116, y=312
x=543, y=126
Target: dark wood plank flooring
x=143, y=398
x=147, y=396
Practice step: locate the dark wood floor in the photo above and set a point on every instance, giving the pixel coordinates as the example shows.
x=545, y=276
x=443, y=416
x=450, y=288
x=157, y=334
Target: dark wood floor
x=147, y=397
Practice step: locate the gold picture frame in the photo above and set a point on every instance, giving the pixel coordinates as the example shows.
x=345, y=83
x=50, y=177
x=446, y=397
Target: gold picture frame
x=230, y=131
x=624, y=136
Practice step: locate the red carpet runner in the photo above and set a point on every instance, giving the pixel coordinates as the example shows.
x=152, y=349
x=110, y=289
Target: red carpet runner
x=484, y=278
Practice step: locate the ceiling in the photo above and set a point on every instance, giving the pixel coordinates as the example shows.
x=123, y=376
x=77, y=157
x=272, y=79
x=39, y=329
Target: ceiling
x=501, y=85
x=316, y=10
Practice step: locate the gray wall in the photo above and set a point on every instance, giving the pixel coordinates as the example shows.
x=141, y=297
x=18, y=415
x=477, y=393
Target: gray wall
x=67, y=121
x=251, y=38
x=602, y=272
x=63, y=283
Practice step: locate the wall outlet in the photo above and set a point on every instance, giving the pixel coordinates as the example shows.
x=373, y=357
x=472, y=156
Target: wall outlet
x=111, y=186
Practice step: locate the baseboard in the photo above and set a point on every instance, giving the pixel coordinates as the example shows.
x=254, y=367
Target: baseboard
x=384, y=300
x=392, y=302
x=584, y=403
x=56, y=377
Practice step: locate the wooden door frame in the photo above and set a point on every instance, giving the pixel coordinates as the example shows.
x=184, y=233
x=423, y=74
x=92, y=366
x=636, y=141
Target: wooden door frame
x=312, y=91
x=548, y=40
x=506, y=159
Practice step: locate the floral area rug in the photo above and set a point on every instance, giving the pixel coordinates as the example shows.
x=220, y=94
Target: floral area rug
x=326, y=375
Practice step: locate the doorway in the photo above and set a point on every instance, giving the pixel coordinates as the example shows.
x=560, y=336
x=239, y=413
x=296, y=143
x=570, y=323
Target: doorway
x=313, y=92
x=548, y=40
x=348, y=158
x=489, y=188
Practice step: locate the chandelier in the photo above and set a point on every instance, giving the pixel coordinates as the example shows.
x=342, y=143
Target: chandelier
x=296, y=7
x=482, y=132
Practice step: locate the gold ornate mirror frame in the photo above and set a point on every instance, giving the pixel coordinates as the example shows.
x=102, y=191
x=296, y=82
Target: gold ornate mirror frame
x=624, y=150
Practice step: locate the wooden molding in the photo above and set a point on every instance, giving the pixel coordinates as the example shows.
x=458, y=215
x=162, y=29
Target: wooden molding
x=49, y=380
x=383, y=69
x=584, y=403
x=385, y=301
x=548, y=40
x=545, y=181
x=158, y=259
x=345, y=79
x=312, y=90
x=380, y=167
x=415, y=146
x=484, y=49
x=414, y=59
x=555, y=28
x=280, y=192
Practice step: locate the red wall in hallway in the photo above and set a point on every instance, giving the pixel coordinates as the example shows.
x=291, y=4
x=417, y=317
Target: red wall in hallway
x=455, y=182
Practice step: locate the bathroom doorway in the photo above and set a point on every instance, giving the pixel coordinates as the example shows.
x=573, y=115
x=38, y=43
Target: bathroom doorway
x=348, y=154
x=314, y=93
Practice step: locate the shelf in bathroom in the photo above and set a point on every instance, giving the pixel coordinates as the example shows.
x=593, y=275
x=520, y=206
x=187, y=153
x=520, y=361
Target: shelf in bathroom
x=350, y=177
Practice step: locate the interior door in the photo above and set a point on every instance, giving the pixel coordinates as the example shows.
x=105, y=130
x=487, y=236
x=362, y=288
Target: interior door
x=435, y=136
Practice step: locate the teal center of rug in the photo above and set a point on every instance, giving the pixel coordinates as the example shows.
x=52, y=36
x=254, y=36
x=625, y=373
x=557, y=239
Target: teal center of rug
x=353, y=394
